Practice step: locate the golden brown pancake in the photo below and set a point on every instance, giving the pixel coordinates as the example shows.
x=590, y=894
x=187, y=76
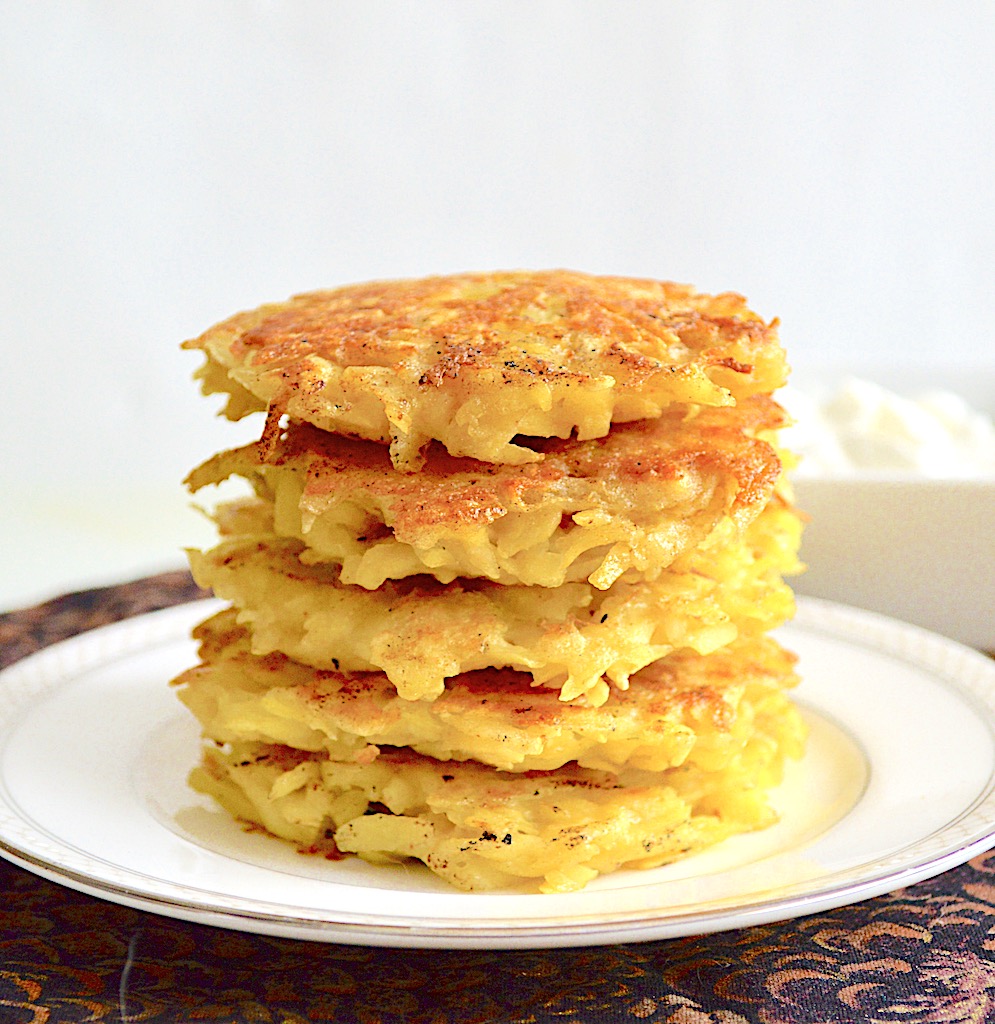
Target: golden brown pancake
x=473, y=360
x=575, y=638
x=685, y=709
x=480, y=828
x=621, y=506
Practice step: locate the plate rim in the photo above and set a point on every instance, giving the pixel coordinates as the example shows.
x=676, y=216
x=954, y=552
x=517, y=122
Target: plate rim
x=875, y=632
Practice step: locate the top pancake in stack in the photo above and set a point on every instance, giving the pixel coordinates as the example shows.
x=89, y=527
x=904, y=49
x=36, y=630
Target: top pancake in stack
x=476, y=360
x=581, y=489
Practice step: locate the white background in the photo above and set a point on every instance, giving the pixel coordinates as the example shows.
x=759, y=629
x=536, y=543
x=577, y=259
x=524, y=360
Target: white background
x=162, y=166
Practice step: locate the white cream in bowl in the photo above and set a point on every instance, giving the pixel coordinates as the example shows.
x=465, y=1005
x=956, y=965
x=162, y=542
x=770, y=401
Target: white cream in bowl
x=863, y=428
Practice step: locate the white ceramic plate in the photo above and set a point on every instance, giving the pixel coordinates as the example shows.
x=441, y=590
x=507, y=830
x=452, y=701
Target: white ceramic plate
x=898, y=785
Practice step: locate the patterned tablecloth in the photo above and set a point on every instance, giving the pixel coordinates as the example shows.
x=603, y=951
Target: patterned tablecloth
x=922, y=954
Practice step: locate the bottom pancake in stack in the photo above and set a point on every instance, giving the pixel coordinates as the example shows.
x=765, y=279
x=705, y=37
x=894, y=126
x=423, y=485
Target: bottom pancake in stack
x=496, y=782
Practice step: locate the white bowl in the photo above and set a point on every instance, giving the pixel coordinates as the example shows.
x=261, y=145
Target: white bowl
x=917, y=548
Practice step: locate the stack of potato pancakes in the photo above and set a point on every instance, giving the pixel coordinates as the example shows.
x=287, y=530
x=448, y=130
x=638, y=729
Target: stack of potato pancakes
x=501, y=600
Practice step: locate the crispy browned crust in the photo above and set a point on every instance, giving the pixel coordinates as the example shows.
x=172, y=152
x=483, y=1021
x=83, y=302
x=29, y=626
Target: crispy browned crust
x=318, y=355
x=451, y=491
x=459, y=324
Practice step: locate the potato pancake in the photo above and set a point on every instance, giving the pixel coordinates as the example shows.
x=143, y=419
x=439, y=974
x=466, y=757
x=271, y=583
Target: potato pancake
x=480, y=828
x=621, y=506
x=685, y=709
x=474, y=360
x=575, y=638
